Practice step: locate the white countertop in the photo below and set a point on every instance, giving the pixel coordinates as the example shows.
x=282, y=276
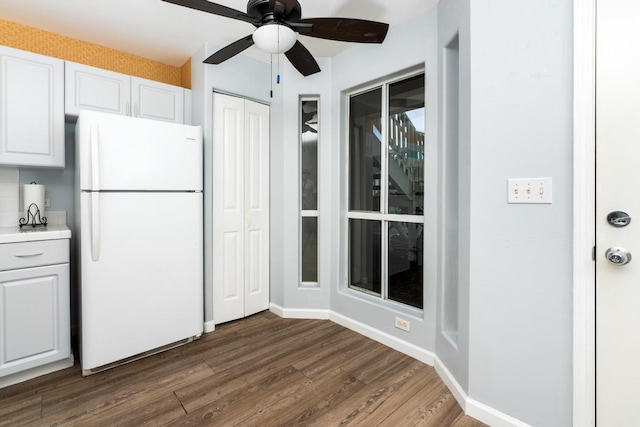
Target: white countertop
x=29, y=234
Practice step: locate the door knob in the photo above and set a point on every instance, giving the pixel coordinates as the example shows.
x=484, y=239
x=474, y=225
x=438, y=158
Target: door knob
x=618, y=256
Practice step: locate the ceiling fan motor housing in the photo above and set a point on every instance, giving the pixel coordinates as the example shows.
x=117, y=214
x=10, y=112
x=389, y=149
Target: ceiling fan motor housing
x=259, y=9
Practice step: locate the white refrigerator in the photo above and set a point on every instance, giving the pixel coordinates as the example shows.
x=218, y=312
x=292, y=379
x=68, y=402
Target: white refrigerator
x=140, y=231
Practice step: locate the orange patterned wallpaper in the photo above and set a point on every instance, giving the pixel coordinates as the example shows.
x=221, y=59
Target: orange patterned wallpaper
x=38, y=41
x=185, y=74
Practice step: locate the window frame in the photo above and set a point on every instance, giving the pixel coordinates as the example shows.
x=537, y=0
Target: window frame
x=383, y=216
x=307, y=213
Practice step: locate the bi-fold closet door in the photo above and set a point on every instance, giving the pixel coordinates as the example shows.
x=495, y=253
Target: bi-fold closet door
x=240, y=207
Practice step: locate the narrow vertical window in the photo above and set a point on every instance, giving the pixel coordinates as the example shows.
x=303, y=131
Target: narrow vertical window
x=309, y=140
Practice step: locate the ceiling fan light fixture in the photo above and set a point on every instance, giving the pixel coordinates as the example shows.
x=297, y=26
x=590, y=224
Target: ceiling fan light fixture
x=274, y=38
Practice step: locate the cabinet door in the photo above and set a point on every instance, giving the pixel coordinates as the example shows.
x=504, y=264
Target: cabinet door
x=34, y=317
x=31, y=109
x=157, y=101
x=90, y=88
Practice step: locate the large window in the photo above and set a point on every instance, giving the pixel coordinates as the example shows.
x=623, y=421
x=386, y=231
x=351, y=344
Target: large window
x=386, y=190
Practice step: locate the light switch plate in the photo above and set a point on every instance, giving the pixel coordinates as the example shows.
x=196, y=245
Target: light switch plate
x=530, y=190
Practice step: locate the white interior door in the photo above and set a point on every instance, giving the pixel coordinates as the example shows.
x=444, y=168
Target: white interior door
x=256, y=193
x=240, y=208
x=618, y=155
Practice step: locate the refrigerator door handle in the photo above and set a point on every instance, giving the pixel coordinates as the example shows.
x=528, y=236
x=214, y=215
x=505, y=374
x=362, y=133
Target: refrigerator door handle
x=95, y=226
x=95, y=158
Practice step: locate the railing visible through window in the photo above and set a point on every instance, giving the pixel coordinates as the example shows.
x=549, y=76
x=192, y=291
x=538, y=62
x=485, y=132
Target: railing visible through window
x=386, y=190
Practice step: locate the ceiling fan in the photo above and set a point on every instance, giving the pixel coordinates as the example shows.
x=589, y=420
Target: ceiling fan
x=276, y=23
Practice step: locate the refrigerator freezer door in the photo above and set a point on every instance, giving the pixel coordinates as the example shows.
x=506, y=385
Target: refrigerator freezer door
x=146, y=289
x=130, y=154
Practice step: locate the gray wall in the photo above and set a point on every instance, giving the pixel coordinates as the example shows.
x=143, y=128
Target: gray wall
x=520, y=356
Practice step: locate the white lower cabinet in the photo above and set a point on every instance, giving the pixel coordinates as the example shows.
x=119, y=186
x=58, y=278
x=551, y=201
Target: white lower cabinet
x=91, y=88
x=35, y=333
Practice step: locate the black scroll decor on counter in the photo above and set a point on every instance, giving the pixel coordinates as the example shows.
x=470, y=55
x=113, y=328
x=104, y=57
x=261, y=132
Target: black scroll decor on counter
x=33, y=217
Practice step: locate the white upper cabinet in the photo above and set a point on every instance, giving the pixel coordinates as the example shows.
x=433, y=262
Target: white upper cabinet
x=31, y=109
x=157, y=101
x=90, y=88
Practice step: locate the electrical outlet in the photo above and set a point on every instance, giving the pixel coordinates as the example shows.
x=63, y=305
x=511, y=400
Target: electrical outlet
x=405, y=325
x=47, y=202
x=529, y=190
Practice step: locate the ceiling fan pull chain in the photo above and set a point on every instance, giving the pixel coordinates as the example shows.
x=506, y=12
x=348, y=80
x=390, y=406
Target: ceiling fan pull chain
x=278, y=76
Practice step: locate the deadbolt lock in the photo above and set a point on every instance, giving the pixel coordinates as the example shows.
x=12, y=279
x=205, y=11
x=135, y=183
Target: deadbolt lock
x=618, y=219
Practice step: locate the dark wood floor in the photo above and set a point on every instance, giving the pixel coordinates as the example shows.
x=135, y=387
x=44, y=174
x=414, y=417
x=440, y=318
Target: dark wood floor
x=260, y=371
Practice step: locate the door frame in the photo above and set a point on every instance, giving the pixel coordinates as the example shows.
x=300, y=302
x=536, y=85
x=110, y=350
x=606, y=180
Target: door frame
x=584, y=221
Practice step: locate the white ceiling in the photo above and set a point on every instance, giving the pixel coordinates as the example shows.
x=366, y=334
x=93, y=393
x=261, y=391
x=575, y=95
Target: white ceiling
x=170, y=34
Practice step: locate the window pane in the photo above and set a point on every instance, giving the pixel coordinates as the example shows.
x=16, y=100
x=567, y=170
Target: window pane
x=309, y=245
x=365, y=256
x=406, y=146
x=405, y=263
x=309, y=153
x=365, y=124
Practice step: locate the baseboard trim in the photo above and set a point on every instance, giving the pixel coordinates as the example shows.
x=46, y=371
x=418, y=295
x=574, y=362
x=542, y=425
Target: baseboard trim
x=471, y=407
x=449, y=380
x=209, y=326
x=277, y=310
x=299, y=313
x=491, y=416
x=389, y=340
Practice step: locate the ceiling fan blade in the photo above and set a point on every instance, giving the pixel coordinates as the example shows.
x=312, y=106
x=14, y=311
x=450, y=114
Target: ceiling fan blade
x=288, y=4
x=216, y=9
x=302, y=59
x=230, y=51
x=346, y=29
